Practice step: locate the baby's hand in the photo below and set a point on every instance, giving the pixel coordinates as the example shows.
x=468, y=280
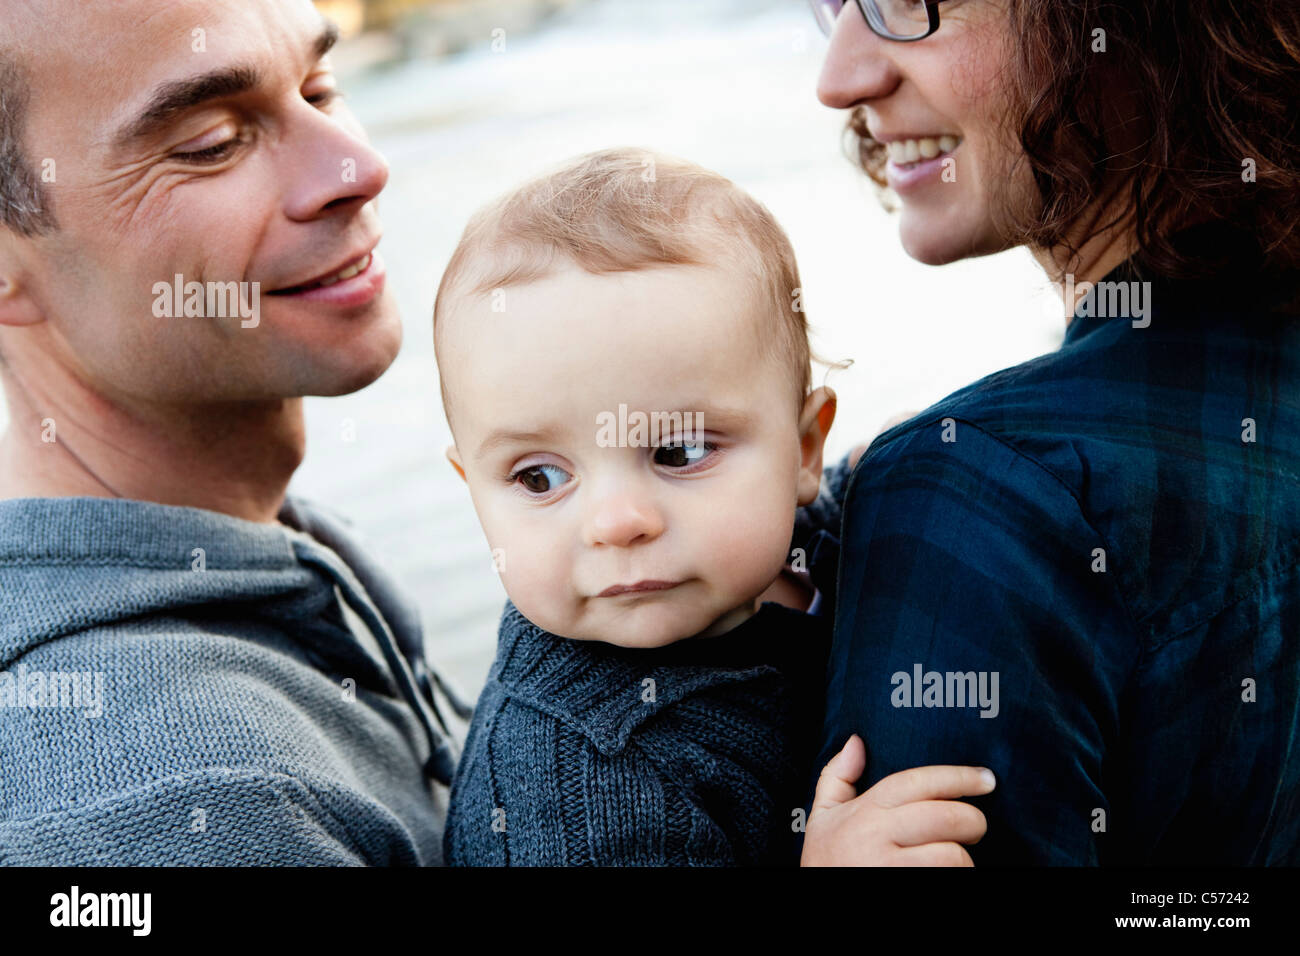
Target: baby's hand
x=910, y=818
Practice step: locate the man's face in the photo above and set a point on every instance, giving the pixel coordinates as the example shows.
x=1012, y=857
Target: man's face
x=258, y=175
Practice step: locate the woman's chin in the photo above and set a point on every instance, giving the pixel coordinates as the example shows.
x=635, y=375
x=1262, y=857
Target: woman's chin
x=934, y=239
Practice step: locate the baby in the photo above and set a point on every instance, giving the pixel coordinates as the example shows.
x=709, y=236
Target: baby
x=626, y=373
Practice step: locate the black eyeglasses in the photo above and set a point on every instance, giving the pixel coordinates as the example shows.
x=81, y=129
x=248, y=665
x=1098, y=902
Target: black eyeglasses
x=901, y=20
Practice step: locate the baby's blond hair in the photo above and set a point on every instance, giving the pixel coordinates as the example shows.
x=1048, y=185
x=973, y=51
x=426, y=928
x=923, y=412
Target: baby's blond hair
x=620, y=210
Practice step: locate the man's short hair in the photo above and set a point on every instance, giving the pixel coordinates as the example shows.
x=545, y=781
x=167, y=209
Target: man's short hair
x=622, y=210
x=24, y=206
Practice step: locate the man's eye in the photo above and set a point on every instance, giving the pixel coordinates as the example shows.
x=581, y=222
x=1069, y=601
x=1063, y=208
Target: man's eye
x=683, y=454
x=211, y=154
x=324, y=97
x=539, y=479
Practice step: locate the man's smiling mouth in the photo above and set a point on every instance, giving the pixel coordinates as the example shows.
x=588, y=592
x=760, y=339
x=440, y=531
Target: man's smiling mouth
x=354, y=268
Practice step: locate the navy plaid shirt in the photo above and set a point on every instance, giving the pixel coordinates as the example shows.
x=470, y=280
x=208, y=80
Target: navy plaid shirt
x=1113, y=530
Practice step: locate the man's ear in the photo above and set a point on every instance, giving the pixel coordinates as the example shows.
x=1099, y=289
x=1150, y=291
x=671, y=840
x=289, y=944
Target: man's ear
x=16, y=304
x=453, y=456
x=814, y=424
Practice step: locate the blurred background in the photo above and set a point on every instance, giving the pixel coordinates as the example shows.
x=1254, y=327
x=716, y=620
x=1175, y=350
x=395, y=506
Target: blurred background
x=729, y=84
x=468, y=98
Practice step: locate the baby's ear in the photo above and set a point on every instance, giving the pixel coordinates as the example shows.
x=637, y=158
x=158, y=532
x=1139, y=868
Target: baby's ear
x=814, y=424
x=453, y=456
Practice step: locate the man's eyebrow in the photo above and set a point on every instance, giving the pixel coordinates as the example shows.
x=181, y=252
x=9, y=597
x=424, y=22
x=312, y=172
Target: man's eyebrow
x=174, y=98
x=329, y=35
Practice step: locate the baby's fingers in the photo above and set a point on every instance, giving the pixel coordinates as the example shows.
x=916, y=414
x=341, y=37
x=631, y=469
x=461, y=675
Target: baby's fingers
x=931, y=783
x=836, y=783
x=933, y=854
x=936, y=821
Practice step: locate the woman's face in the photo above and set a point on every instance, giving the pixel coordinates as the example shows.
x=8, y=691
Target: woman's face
x=938, y=105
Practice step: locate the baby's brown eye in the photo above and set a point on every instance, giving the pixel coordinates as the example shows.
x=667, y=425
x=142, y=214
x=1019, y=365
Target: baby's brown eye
x=540, y=479
x=682, y=454
x=535, y=481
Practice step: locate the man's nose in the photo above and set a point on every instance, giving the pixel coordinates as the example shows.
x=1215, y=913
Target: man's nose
x=623, y=517
x=333, y=168
x=859, y=65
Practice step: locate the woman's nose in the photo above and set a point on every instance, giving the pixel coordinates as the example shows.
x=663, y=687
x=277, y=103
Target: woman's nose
x=624, y=518
x=859, y=65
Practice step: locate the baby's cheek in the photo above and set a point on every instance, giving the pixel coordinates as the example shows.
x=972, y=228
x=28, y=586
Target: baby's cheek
x=750, y=548
x=537, y=582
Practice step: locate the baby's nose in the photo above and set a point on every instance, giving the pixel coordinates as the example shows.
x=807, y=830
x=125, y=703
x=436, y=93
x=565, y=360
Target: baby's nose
x=623, y=519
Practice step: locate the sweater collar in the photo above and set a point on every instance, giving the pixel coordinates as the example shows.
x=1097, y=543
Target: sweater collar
x=608, y=691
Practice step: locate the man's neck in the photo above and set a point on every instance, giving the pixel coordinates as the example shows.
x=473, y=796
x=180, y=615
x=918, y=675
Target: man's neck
x=64, y=440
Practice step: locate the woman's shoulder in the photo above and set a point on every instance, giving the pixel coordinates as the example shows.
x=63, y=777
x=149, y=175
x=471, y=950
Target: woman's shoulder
x=1143, y=437
x=1177, y=392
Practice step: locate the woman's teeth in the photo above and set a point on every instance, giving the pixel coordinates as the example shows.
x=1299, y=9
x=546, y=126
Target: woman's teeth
x=356, y=268
x=904, y=152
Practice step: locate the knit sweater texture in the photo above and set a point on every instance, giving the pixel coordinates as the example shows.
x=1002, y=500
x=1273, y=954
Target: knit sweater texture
x=692, y=754
x=262, y=698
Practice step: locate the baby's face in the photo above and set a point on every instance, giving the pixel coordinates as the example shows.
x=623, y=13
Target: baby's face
x=572, y=508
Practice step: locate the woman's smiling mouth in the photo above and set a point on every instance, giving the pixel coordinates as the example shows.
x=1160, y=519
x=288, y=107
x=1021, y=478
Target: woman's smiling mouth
x=916, y=161
x=904, y=152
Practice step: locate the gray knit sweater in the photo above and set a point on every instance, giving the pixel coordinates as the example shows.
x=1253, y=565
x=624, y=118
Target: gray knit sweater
x=182, y=687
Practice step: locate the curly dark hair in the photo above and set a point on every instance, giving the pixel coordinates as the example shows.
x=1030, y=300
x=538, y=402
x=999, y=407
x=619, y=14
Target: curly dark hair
x=1214, y=89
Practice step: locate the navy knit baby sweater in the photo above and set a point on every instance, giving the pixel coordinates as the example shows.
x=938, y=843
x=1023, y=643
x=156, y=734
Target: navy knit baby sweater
x=691, y=754
x=695, y=754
